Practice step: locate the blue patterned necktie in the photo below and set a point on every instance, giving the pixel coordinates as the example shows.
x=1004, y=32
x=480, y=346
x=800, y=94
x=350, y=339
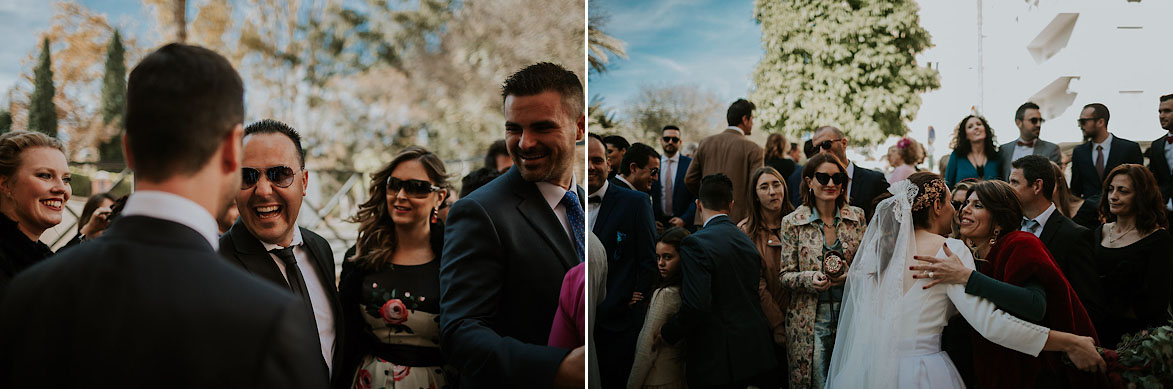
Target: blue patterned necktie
x=577, y=219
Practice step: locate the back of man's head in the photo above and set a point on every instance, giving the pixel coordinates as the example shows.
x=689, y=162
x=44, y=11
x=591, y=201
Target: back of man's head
x=181, y=102
x=616, y=141
x=1037, y=167
x=544, y=77
x=639, y=154
x=716, y=192
x=739, y=109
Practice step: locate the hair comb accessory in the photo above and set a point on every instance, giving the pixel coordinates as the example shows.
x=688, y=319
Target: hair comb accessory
x=903, y=142
x=932, y=193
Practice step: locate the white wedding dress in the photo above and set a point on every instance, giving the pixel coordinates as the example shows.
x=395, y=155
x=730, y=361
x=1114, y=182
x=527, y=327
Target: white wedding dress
x=889, y=338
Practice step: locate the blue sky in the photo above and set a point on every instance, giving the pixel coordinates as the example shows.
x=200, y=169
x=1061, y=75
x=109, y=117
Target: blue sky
x=21, y=21
x=712, y=44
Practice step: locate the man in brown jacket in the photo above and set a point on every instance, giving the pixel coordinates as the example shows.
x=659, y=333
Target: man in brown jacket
x=729, y=152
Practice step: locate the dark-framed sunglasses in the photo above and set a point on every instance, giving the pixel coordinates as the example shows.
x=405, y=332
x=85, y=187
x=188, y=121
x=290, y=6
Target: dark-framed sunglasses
x=413, y=188
x=1037, y=120
x=824, y=178
x=671, y=139
x=1083, y=120
x=655, y=171
x=826, y=145
x=279, y=176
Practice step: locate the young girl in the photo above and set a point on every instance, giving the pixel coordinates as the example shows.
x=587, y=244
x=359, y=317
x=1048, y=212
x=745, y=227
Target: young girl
x=659, y=365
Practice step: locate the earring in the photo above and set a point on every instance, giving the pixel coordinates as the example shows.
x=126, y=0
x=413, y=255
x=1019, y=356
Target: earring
x=994, y=238
x=435, y=215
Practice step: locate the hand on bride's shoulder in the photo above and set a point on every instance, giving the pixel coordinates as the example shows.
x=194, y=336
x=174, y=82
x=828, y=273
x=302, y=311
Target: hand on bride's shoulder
x=950, y=269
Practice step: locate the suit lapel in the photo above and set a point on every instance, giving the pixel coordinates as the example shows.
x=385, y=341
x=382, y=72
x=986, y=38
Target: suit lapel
x=537, y=212
x=1054, y=223
x=322, y=260
x=252, y=255
x=605, y=209
x=1114, y=155
x=1158, y=157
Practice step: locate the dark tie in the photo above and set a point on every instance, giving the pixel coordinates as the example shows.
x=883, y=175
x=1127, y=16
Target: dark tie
x=595, y=199
x=293, y=275
x=577, y=219
x=1026, y=144
x=1169, y=138
x=1100, y=161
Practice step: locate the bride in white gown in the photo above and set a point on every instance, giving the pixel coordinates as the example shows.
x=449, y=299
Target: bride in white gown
x=890, y=330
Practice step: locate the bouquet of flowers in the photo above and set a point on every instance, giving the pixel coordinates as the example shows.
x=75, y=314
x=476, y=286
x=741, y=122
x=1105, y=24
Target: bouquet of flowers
x=1142, y=360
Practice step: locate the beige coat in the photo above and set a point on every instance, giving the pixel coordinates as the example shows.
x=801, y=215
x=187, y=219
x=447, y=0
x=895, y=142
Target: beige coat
x=731, y=153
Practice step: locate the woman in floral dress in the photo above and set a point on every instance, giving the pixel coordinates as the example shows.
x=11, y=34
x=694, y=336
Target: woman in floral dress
x=390, y=282
x=823, y=226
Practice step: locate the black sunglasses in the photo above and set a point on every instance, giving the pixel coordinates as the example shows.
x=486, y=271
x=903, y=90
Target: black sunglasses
x=413, y=188
x=824, y=178
x=1037, y=120
x=280, y=176
x=671, y=139
x=826, y=145
x=1082, y=120
x=655, y=171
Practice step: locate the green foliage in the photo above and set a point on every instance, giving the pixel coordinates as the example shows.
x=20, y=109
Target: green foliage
x=696, y=111
x=113, y=102
x=5, y=121
x=845, y=63
x=1148, y=355
x=42, y=110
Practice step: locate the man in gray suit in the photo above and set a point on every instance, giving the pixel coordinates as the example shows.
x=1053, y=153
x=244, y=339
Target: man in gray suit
x=729, y=153
x=1029, y=122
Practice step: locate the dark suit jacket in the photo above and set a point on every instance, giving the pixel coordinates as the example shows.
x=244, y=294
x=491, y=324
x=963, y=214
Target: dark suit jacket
x=1072, y=247
x=793, y=183
x=1085, y=181
x=1160, y=167
x=241, y=248
x=1042, y=147
x=866, y=185
x=149, y=303
x=721, y=313
x=615, y=181
x=628, y=233
x=505, y=254
x=683, y=201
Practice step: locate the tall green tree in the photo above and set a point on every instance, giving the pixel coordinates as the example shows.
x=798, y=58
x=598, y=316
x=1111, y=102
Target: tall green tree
x=42, y=110
x=113, y=102
x=851, y=64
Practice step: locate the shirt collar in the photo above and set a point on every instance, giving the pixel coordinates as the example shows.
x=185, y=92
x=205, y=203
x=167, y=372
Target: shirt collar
x=674, y=158
x=735, y=128
x=711, y=219
x=850, y=170
x=1043, y=217
x=1107, y=142
x=815, y=216
x=625, y=181
x=602, y=191
x=294, y=243
x=174, y=208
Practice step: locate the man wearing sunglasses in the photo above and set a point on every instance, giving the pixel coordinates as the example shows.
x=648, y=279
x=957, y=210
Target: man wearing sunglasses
x=150, y=295
x=267, y=242
x=508, y=245
x=672, y=202
x=729, y=153
x=641, y=167
x=1030, y=123
x=1102, y=152
x=863, y=184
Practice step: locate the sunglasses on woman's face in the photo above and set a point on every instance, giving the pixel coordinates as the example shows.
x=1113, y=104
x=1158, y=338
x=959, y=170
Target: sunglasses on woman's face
x=280, y=176
x=413, y=188
x=824, y=178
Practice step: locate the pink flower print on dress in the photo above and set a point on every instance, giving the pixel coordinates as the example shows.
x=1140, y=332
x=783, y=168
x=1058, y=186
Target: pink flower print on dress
x=394, y=312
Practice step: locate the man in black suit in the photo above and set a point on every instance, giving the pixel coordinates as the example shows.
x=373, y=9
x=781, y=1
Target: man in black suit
x=149, y=302
x=864, y=185
x=1070, y=244
x=729, y=342
x=672, y=203
x=509, y=244
x=1160, y=153
x=267, y=242
x=622, y=220
x=1102, y=152
x=641, y=167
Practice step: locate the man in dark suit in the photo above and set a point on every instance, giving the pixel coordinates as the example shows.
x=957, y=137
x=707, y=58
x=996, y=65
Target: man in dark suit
x=1102, y=152
x=509, y=244
x=150, y=295
x=641, y=167
x=731, y=153
x=1160, y=152
x=1070, y=244
x=267, y=242
x=729, y=343
x=622, y=220
x=1030, y=124
x=864, y=185
x=672, y=203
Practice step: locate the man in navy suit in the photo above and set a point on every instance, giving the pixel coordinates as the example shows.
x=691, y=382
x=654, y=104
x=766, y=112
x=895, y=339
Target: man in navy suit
x=672, y=203
x=729, y=342
x=1093, y=160
x=1160, y=153
x=622, y=219
x=509, y=244
x=864, y=185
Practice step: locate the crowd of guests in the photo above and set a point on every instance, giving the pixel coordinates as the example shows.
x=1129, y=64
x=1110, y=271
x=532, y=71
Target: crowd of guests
x=1089, y=262
x=201, y=277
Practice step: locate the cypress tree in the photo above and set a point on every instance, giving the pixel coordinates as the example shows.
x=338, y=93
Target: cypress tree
x=5, y=121
x=113, y=102
x=42, y=110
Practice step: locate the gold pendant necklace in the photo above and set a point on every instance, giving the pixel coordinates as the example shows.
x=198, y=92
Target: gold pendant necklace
x=1121, y=236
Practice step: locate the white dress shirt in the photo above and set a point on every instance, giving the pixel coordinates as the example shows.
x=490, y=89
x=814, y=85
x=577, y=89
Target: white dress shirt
x=668, y=166
x=593, y=208
x=553, y=195
x=850, y=177
x=323, y=313
x=174, y=208
x=1022, y=151
x=1041, y=219
x=1107, y=143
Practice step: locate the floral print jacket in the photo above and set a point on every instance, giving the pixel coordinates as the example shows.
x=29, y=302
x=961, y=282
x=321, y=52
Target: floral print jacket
x=802, y=249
